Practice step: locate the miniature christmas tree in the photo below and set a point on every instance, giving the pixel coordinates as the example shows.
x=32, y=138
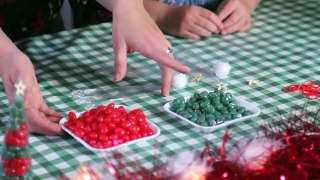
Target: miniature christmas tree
x=15, y=157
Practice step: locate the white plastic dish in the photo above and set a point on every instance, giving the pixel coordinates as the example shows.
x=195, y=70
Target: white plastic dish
x=153, y=126
x=255, y=111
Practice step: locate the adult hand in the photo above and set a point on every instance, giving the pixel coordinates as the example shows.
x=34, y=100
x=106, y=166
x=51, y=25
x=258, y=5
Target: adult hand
x=135, y=31
x=190, y=22
x=40, y=118
x=236, y=16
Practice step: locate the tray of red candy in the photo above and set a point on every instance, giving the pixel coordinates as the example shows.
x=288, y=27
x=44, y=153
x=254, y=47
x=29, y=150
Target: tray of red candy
x=106, y=128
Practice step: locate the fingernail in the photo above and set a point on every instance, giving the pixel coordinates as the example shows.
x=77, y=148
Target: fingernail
x=117, y=77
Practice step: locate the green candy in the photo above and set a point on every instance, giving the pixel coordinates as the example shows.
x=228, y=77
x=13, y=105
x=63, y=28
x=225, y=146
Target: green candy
x=9, y=155
x=212, y=95
x=223, y=110
x=219, y=121
x=210, y=117
x=204, y=123
x=188, y=104
x=228, y=116
x=218, y=106
x=236, y=116
x=195, y=106
x=228, y=96
x=180, y=110
x=204, y=95
x=224, y=101
x=14, y=126
x=232, y=105
x=204, y=104
x=22, y=154
x=197, y=96
x=241, y=110
x=174, y=107
x=186, y=115
x=201, y=118
x=192, y=100
x=215, y=100
x=189, y=110
x=246, y=113
x=211, y=122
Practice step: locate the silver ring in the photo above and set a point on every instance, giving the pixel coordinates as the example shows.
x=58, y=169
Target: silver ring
x=169, y=51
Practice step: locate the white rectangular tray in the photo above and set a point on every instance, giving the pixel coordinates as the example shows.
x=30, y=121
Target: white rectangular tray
x=255, y=111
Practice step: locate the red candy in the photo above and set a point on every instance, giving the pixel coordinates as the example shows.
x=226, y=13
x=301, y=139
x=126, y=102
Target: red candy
x=310, y=89
x=107, y=126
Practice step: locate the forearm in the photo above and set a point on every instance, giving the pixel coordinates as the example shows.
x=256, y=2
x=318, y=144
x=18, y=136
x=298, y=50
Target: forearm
x=7, y=47
x=158, y=11
x=251, y=4
x=112, y=5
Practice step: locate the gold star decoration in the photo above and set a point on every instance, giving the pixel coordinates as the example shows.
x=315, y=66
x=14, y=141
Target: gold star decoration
x=221, y=86
x=252, y=82
x=19, y=88
x=197, y=77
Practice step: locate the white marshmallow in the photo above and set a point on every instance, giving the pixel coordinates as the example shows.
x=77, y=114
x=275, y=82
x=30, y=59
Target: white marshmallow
x=179, y=81
x=222, y=69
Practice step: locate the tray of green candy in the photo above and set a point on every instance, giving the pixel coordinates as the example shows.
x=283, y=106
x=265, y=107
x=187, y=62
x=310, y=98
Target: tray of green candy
x=208, y=111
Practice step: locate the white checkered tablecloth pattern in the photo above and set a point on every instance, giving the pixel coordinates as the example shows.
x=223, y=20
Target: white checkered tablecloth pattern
x=75, y=72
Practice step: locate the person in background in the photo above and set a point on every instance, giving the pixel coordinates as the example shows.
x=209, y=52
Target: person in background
x=133, y=31
x=200, y=18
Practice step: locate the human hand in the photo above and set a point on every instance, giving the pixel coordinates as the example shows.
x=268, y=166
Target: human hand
x=235, y=15
x=135, y=31
x=40, y=118
x=190, y=22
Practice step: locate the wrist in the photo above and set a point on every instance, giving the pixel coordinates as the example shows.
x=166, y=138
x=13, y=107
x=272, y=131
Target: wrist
x=251, y=4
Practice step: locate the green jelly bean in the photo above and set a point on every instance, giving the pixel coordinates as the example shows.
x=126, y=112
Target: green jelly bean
x=211, y=122
x=228, y=96
x=219, y=121
x=224, y=111
x=188, y=104
x=224, y=101
x=195, y=106
x=174, y=107
x=204, y=95
x=9, y=155
x=192, y=100
x=186, y=115
x=236, y=116
x=218, y=114
x=204, y=104
x=212, y=95
x=218, y=107
x=180, y=110
x=175, y=102
x=14, y=126
x=204, y=123
x=180, y=100
x=189, y=110
x=241, y=110
x=201, y=118
x=232, y=106
x=228, y=117
x=246, y=113
x=210, y=117
x=197, y=96
x=22, y=153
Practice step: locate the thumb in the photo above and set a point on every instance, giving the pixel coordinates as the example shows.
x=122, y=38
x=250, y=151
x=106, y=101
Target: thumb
x=120, y=59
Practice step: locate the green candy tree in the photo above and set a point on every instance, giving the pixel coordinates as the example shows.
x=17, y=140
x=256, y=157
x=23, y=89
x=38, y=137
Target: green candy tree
x=15, y=158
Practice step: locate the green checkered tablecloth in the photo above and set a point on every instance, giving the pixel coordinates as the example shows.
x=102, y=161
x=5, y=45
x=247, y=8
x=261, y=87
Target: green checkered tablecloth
x=75, y=72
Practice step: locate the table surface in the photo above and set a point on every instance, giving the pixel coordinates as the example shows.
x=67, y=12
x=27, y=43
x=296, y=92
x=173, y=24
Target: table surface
x=75, y=72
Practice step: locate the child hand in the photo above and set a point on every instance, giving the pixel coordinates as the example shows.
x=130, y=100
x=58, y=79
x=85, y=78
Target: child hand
x=191, y=22
x=235, y=15
x=40, y=118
